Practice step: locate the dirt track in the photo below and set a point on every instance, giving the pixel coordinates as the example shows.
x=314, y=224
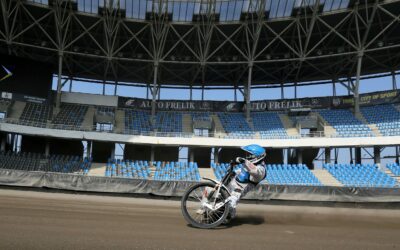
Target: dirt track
x=36, y=220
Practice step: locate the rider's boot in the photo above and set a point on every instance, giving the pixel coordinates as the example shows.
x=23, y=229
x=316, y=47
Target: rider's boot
x=233, y=200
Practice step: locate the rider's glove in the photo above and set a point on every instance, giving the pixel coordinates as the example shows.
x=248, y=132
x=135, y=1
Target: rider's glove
x=240, y=160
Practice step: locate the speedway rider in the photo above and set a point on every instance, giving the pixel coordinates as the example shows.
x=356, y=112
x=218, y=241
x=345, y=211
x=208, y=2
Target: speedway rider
x=250, y=174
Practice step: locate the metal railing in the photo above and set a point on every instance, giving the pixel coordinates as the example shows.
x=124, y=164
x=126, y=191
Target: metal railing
x=58, y=126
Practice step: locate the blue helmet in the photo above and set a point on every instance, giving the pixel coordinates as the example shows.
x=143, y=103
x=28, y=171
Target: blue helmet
x=257, y=153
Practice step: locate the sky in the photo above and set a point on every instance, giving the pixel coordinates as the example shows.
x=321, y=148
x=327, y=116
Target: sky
x=366, y=86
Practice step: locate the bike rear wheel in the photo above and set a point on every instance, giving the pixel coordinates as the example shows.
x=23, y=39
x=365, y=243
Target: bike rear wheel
x=193, y=209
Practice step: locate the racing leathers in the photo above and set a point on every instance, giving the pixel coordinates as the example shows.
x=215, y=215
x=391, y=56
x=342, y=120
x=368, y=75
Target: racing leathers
x=250, y=174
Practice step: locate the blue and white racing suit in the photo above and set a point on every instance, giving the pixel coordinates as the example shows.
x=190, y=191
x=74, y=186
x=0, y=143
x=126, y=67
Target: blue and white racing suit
x=249, y=175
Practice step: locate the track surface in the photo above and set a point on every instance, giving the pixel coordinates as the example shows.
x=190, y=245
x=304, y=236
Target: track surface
x=37, y=220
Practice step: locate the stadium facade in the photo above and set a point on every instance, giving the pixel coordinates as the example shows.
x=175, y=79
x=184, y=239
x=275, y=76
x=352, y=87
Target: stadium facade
x=240, y=45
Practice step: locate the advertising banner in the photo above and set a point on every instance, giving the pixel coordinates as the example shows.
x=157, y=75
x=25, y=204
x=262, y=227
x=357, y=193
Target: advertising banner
x=375, y=98
x=22, y=97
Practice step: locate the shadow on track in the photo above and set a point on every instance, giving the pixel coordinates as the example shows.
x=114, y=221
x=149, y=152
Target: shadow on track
x=239, y=221
x=246, y=220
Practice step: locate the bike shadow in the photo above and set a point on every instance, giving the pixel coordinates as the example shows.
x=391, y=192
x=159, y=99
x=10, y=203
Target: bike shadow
x=246, y=220
x=239, y=221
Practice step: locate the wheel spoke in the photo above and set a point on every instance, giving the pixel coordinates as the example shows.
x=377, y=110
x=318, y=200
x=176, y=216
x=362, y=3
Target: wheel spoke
x=193, y=204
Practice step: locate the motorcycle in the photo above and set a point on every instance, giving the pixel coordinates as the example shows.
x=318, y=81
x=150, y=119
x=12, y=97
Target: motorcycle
x=206, y=205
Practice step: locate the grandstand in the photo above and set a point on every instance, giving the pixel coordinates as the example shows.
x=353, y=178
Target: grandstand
x=119, y=89
x=37, y=162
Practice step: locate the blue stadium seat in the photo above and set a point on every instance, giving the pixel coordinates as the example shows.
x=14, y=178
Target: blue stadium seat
x=345, y=123
x=236, y=126
x=385, y=117
x=177, y=171
x=360, y=175
x=269, y=125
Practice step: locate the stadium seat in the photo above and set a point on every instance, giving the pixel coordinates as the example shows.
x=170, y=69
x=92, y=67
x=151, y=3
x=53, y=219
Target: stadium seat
x=360, y=175
x=385, y=117
x=269, y=125
x=345, y=123
x=37, y=162
x=177, y=171
x=236, y=126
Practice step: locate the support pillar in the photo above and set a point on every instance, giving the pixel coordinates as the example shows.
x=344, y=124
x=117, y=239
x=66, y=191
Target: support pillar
x=327, y=155
x=216, y=160
x=288, y=151
x=299, y=156
x=357, y=155
x=397, y=155
x=336, y=155
x=248, y=92
x=152, y=154
x=394, y=84
x=349, y=83
x=377, y=156
x=154, y=94
x=356, y=87
x=47, y=149
x=333, y=88
x=113, y=152
x=59, y=84
x=351, y=155
x=70, y=85
x=89, y=149
x=3, y=143
x=191, y=155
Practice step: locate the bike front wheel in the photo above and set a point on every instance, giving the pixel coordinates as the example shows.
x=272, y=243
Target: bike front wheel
x=197, y=202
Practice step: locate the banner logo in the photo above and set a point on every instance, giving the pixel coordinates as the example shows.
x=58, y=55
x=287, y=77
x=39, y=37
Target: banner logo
x=8, y=73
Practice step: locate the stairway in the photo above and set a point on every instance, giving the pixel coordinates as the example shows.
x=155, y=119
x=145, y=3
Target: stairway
x=328, y=129
x=388, y=172
x=257, y=134
x=326, y=178
x=16, y=110
x=397, y=106
x=207, y=173
x=288, y=124
x=119, y=126
x=97, y=169
x=87, y=123
x=373, y=127
x=187, y=127
x=219, y=129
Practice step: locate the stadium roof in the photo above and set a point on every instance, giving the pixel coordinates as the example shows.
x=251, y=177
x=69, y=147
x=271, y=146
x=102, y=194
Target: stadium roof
x=227, y=10
x=206, y=43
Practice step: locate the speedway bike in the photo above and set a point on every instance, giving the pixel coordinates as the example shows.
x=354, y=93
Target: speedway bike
x=206, y=204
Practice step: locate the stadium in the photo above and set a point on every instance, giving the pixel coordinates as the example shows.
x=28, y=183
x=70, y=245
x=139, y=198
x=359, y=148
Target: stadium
x=128, y=99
